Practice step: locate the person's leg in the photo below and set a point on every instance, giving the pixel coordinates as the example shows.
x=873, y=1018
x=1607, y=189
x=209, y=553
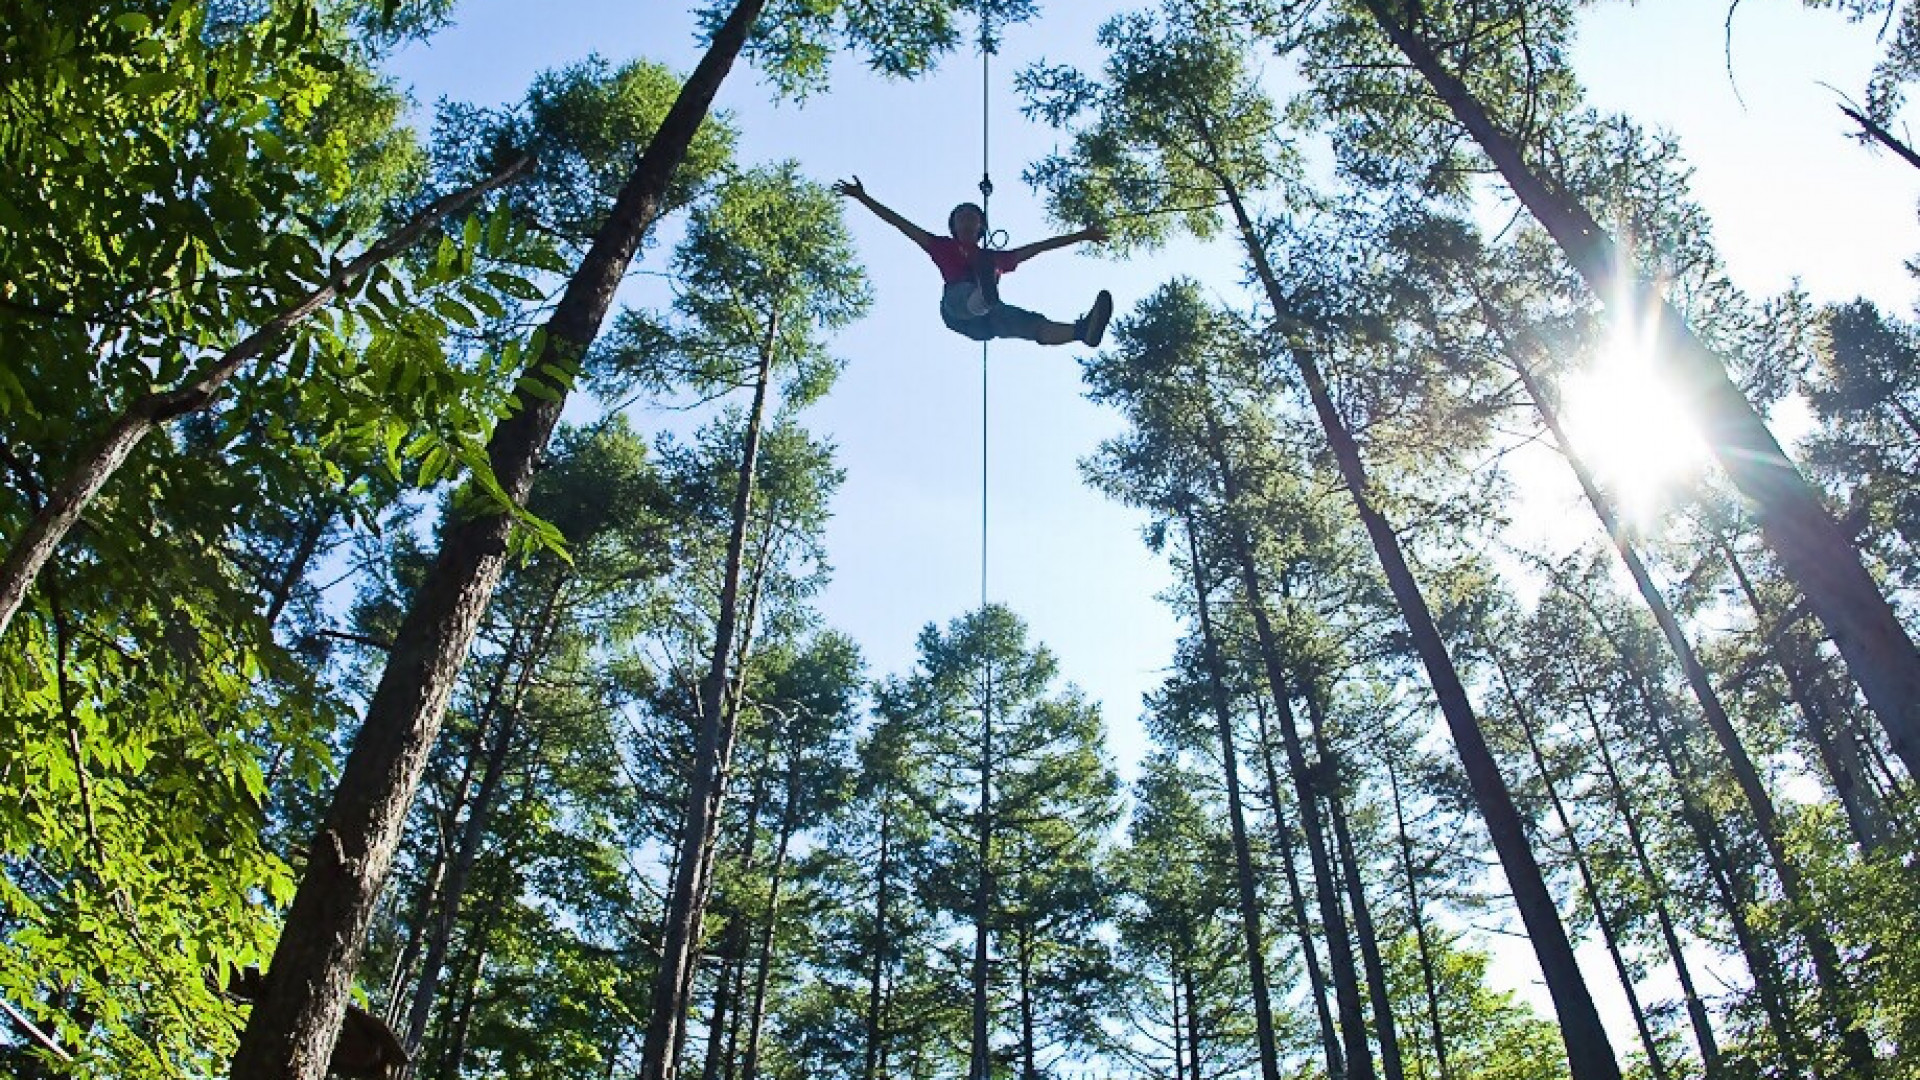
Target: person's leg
x=1008, y=321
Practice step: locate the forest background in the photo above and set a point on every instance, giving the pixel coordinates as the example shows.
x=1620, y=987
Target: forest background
x=1788, y=195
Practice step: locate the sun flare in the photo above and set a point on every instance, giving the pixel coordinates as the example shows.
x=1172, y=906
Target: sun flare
x=1630, y=427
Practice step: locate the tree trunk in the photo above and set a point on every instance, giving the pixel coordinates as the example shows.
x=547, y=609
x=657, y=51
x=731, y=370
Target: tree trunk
x=1840, y=756
x=1418, y=918
x=1359, y=1057
x=1589, y=1052
x=1578, y=851
x=1383, y=1025
x=705, y=792
x=1316, y=979
x=1023, y=951
x=76, y=491
x=506, y=725
x=1813, y=549
x=980, y=1057
x=1696, y=1008
x=1723, y=872
x=1193, y=1026
x=1173, y=998
x=870, y=1069
x=789, y=819
x=1236, y=817
x=292, y=1029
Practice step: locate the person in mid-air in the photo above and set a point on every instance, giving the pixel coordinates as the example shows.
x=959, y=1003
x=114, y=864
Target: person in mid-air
x=971, y=304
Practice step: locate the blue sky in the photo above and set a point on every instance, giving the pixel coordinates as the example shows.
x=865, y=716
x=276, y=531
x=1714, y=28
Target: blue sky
x=1789, y=196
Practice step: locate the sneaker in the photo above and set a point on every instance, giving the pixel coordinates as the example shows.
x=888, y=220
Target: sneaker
x=1093, y=326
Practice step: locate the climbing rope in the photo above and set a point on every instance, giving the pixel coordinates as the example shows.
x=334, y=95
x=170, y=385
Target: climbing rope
x=986, y=240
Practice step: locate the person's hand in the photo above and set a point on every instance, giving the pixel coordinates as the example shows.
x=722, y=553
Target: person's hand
x=1095, y=233
x=851, y=189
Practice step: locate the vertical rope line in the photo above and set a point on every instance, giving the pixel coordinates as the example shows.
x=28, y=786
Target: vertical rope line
x=986, y=197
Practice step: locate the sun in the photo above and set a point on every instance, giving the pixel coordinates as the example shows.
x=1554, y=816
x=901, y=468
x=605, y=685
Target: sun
x=1629, y=425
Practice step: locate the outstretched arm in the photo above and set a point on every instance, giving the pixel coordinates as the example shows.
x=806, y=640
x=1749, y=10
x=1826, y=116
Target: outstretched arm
x=1090, y=233
x=853, y=190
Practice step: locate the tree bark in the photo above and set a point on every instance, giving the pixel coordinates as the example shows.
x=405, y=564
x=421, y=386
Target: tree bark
x=1839, y=755
x=707, y=789
x=1417, y=916
x=1608, y=934
x=980, y=1056
x=1236, y=816
x=292, y=1029
x=70, y=497
x=1696, y=1007
x=789, y=820
x=1813, y=549
x=1359, y=1058
x=870, y=1068
x=1316, y=978
x=1589, y=1051
x=1383, y=1024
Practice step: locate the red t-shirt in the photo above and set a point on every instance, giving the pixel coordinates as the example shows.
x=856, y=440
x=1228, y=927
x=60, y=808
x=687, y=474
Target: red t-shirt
x=955, y=259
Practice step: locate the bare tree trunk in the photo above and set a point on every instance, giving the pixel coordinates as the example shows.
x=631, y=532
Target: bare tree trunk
x=1840, y=756
x=1418, y=918
x=1383, y=1025
x=1193, y=1026
x=870, y=1069
x=1316, y=979
x=1723, y=872
x=1173, y=997
x=1359, y=1057
x=1578, y=851
x=1813, y=549
x=980, y=1055
x=1236, y=816
x=1023, y=953
x=1696, y=1008
x=70, y=497
x=293, y=1027
x=705, y=792
x=789, y=820
x=506, y=724
x=1589, y=1051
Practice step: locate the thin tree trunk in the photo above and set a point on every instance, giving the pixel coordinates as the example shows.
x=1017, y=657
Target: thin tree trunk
x=1383, y=1025
x=1859, y=800
x=1418, y=918
x=70, y=497
x=980, y=1058
x=871, y=1067
x=1589, y=1051
x=1578, y=851
x=1316, y=979
x=1023, y=951
x=668, y=1008
x=1813, y=549
x=1236, y=816
x=1723, y=871
x=1696, y=1008
x=506, y=726
x=1193, y=1026
x=293, y=1027
x=1359, y=1057
x=1173, y=997
x=789, y=820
